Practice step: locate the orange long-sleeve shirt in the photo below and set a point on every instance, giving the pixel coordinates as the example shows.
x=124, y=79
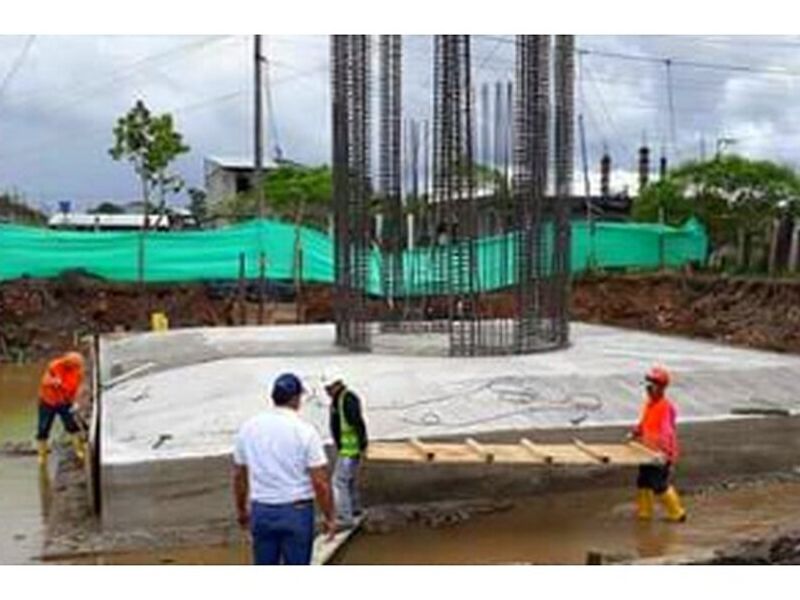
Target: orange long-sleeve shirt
x=60, y=382
x=657, y=427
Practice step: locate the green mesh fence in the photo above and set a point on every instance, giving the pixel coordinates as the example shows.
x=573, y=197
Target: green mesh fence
x=214, y=254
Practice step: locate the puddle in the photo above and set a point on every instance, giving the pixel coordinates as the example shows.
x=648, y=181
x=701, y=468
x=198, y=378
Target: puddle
x=549, y=529
x=24, y=498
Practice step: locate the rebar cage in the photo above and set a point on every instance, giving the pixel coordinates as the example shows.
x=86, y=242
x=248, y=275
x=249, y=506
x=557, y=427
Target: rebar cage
x=462, y=247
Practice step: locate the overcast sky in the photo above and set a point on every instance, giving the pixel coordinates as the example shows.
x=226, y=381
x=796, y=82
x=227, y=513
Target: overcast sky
x=59, y=97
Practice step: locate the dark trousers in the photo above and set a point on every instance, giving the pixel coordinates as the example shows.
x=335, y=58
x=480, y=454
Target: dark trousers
x=47, y=415
x=282, y=533
x=654, y=477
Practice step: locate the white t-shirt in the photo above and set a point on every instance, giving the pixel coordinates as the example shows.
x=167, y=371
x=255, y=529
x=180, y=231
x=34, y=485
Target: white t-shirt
x=278, y=448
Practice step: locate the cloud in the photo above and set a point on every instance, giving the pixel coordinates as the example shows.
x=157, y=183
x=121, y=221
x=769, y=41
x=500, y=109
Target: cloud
x=57, y=113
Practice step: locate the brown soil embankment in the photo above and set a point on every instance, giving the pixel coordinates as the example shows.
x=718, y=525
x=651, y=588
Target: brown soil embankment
x=40, y=317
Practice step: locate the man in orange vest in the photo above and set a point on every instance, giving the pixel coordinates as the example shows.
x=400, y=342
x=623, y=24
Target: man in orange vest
x=657, y=430
x=60, y=387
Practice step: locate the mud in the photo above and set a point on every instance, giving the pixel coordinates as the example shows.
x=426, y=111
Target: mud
x=41, y=317
x=550, y=528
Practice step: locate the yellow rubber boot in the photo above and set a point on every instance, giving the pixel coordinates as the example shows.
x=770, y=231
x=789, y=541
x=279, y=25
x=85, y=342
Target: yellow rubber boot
x=645, y=500
x=78, y=447
x=672, y=504
x=42, y=450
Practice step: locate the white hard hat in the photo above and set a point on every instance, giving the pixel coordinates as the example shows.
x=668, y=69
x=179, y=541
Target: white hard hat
x=331, y=375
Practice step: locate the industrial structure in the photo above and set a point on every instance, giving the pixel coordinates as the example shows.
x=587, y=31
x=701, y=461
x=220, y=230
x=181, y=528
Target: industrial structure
x=415, y=260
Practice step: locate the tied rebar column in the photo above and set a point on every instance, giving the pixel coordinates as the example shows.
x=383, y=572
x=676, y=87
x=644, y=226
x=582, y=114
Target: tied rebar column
x=350, y=82
x=390, y=174
x=531, y=152
x=454, y=191
x=564, y=152
x=484, y=270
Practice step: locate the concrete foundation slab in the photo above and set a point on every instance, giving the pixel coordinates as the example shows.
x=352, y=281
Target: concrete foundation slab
x=203, y=383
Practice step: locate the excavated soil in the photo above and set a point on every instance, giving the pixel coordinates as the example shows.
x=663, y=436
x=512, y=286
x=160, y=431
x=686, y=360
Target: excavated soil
x=40, y=317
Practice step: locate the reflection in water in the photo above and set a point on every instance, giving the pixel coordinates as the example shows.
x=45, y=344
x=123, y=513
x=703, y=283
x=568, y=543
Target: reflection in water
x=653, y=538
x=45, y=493
x=25, y=495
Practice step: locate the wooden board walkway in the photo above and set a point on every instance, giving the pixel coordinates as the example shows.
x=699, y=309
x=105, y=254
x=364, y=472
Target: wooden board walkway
x=325, y=549
x=576, y=453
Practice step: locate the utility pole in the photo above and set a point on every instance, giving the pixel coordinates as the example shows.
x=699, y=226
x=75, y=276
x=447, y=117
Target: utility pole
x=587, y=190
x=258, y=128
x=258, y=179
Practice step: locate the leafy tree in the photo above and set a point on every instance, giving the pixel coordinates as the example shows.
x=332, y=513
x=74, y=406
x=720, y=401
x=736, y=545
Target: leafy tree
x=734, y=197
x=107, y=208
x=14, y=209
x=150, y=143
x=198, y=205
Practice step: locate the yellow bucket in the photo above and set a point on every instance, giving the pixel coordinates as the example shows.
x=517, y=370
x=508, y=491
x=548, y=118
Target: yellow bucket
x=159, y=321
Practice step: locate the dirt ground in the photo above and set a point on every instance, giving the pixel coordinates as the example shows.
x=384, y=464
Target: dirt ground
x=40, y=317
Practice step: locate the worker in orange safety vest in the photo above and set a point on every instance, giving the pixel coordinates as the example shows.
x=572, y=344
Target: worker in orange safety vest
x=60, y=386
x=657, y=430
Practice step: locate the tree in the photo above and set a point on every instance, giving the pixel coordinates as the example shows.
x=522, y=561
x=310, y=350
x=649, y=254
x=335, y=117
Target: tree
x=14, y=209
x=735, y=198
x=107, y=208
x=198, y=205
x=150, y=143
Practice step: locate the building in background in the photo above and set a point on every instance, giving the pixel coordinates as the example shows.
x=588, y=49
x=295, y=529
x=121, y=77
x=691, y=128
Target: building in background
x=226, y=177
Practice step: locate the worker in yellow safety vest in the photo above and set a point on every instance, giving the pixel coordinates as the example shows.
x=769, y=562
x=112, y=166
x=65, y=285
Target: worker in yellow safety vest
x=349, y=433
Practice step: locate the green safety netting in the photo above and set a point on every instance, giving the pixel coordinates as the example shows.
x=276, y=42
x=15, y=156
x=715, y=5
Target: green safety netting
x=214, y=254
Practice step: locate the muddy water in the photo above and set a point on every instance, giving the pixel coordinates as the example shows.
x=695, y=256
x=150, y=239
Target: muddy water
x=562, y=529
x=550, y=529
x=24, y=496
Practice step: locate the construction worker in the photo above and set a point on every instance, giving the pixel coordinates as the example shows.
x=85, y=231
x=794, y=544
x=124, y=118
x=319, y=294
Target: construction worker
x=60, y=387
x=657, y=430
x=280, y=467
x=349, y=433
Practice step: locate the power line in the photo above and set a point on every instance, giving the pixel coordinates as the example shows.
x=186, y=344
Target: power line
x=96, y=132
x=17, y=64
x=80, y=91
x=648, y=58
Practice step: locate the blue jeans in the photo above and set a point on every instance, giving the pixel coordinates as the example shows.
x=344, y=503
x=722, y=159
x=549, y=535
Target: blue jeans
x=282, y=533
x=345, y=489
x=46, y=416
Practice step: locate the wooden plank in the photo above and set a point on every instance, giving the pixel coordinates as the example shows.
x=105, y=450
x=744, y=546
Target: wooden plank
x=479, y=450
x=470, y=451
x=325, y=549
x=642, y=449
x=589, y=451
x=425, y=452
x=536, y=450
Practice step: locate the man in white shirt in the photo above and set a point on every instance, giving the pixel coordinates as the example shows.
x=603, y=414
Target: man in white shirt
x=279, y=468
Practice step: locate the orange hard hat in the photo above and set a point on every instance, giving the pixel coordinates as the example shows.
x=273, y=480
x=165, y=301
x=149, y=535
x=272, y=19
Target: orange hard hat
x=658, y=375
x=74, y=359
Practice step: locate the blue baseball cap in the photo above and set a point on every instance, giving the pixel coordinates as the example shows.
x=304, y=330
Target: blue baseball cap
x=286, y=387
